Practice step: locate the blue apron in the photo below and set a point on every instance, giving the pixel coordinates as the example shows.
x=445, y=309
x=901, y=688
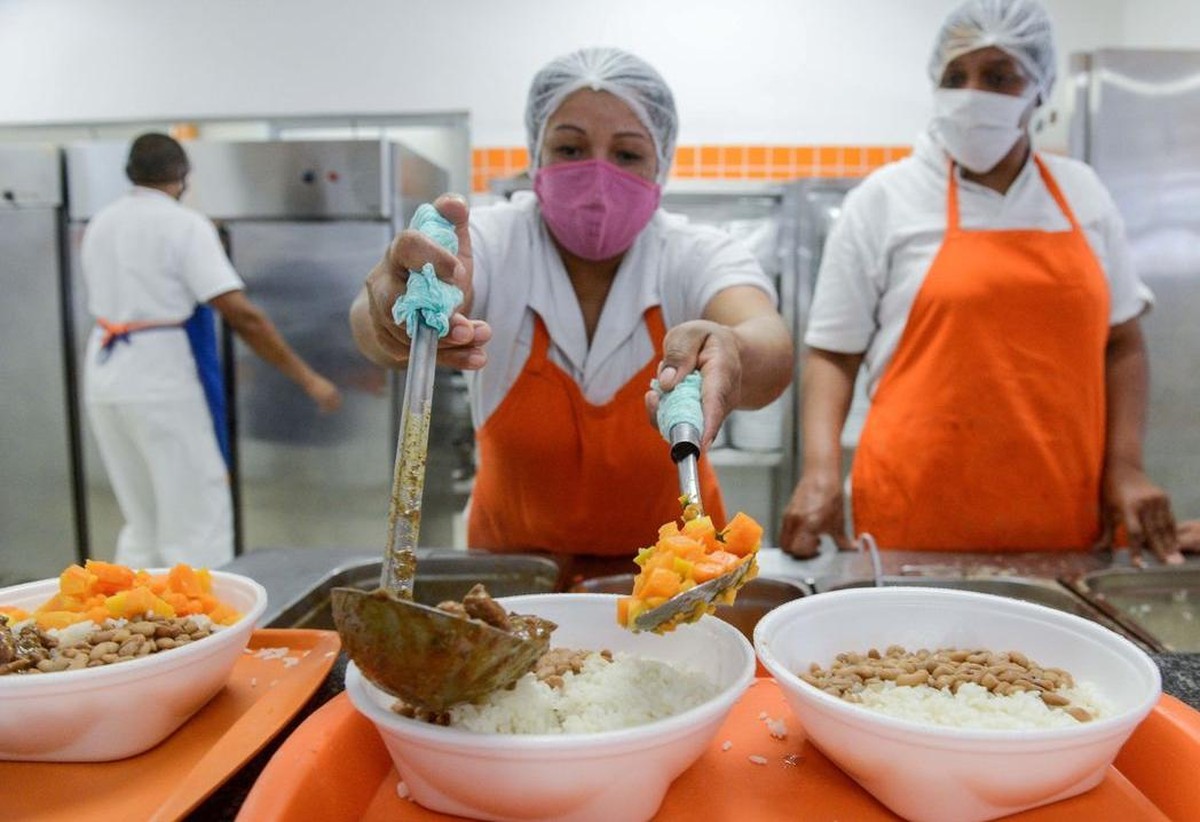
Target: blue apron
x=201, y=332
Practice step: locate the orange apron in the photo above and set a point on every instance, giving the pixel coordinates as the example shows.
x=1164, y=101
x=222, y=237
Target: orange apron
x=559, y=474
x=987, y=432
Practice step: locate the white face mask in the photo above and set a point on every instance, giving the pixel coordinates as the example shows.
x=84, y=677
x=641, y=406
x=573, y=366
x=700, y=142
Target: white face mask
x=977, y=128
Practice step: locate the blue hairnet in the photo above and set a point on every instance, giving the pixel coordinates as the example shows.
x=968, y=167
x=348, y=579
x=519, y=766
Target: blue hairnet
x=1022, y=28
x=619, y=73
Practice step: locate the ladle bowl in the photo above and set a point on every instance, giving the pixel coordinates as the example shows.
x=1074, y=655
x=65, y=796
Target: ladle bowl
x=429, y=658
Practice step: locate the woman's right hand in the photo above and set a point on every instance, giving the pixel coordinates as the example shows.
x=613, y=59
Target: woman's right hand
x=816, y=507
x=376, y=332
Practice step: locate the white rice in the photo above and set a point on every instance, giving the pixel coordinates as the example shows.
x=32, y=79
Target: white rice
x=603, y=696
x=976, y=707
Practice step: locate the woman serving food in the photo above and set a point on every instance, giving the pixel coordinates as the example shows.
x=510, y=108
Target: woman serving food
x=575, y=297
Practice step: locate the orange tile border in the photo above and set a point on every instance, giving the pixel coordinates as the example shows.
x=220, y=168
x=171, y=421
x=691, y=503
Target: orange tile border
x=711, y=161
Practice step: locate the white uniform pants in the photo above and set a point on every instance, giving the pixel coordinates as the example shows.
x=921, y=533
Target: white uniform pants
x=170, y=481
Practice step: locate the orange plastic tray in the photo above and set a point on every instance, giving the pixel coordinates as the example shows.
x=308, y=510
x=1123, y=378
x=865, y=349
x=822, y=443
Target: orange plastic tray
x=169, y=780
x=335, y=767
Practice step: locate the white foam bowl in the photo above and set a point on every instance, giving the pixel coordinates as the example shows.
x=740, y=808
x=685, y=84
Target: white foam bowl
x=926, y=772
x=622, y=774
x=115, y=711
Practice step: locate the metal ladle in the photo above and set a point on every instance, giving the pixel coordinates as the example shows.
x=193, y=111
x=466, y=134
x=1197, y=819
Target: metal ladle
x=429, y=658
x=685, y=451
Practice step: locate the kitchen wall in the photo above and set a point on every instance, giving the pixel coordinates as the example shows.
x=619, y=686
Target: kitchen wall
x=758, y=71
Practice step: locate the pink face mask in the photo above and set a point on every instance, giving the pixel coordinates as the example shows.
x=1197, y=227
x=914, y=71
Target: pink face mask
x=594, y=208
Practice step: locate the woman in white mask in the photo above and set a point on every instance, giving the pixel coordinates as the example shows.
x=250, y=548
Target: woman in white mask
x=987, y=290
x=576, y=295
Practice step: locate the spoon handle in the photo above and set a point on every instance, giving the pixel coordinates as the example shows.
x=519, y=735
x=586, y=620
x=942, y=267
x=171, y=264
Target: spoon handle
x=408, y=479
x=685, y=451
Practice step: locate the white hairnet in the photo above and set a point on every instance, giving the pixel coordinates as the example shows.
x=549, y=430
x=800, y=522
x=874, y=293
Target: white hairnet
x=1022, y=28
x=619, y=73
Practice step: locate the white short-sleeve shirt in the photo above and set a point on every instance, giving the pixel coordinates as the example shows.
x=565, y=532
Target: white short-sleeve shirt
x=146, y=258
x=518, y=271
x=893, y=224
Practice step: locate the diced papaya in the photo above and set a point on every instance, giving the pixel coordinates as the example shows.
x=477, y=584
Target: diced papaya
x=102, y=590
x=686, y=556
x=704, y=571
x=61, y=602
x=110, y=578
x=14, y=613
x=97, y=614
x=661, y=583
x=725, y=559
x=703, y=531
x=623, y=610
x=177, y=602
x=76, y=582
x=681, y=546
x=742, y=535
x=184, y=580
x=224, y=615
x=137, y=601
x=50, y=620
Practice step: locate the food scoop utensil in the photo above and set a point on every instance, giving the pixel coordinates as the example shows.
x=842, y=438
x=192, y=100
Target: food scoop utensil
x=694, y=602
x=429, y=658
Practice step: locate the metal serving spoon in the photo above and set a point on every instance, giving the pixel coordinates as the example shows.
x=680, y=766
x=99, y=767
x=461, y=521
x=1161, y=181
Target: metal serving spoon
x=429, y=658
x=694, y=602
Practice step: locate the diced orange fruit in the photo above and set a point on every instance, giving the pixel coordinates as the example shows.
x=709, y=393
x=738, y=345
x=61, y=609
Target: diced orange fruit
x=110, y=578
x=104, y=590
x=76, y=582
x=686, y=556
x=742, y=536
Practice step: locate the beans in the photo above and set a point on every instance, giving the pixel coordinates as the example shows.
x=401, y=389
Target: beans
x=916, y=678
x=1004, y=674
x=109, y=645
x=103, y=648
x=131, y=645
x=145, y=629
x=1080, y=714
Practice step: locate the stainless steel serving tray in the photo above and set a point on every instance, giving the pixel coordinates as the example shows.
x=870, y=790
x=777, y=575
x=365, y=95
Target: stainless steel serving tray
x=1027, y=589
x=1161, y=602
x=438, y=578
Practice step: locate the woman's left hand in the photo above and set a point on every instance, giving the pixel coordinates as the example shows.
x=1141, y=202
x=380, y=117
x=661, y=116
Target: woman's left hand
x=1132, y=500
x=711, y=349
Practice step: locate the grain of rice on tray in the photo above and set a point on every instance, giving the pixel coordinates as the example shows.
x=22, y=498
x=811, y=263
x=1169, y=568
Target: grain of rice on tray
x=604, y=694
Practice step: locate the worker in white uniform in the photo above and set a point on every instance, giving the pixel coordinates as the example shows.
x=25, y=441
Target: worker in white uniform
x=576, y=295
x=152, y=382
x=987, y=290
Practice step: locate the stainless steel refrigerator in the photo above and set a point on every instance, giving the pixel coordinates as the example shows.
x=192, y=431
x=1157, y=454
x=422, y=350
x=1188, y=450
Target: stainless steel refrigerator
x=38, y=499
x=1137, y=123
x=304, y=222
